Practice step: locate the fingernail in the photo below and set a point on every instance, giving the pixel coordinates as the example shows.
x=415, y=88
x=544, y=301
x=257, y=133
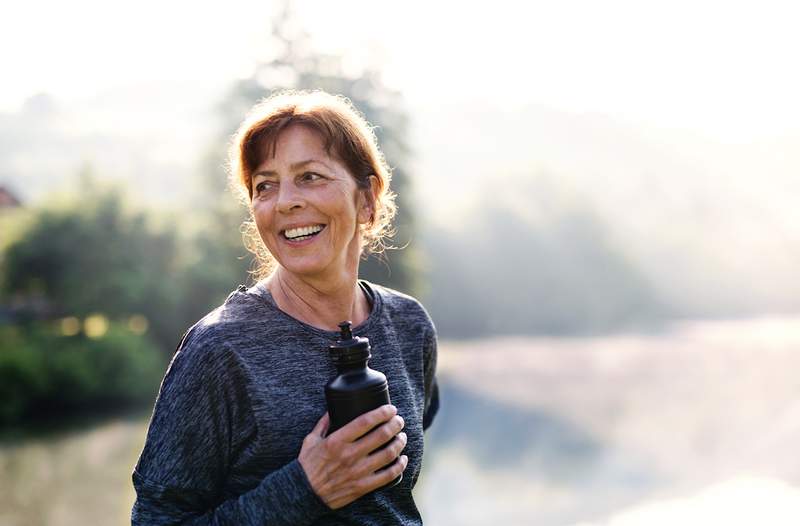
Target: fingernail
x=403, y=437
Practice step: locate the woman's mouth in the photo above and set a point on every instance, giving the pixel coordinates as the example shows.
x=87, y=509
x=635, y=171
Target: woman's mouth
x=302, y=233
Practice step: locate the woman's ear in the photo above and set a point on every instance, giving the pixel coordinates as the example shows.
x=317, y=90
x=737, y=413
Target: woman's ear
x=369, y=196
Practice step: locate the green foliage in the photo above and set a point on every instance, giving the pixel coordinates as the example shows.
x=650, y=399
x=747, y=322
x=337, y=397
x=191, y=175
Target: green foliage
x=90, y=256
x=45, y=374
x=78, y=258
x=12, y=222
x=216, y=259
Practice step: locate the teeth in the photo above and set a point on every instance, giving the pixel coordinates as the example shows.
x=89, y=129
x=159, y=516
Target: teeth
x=302, y=231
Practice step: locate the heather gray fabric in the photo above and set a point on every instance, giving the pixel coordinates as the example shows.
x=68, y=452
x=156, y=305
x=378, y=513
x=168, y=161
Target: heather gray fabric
x=245, y=387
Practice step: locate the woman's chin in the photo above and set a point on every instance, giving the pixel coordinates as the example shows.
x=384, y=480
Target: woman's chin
x=309, y=266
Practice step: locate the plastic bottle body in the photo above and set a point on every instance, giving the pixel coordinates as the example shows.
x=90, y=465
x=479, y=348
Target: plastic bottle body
x=356, y=389
x=353, y=393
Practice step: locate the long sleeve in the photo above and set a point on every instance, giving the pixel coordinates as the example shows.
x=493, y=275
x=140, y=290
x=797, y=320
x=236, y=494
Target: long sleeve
x=431, y=386
x=201, y=422
x=283, y=498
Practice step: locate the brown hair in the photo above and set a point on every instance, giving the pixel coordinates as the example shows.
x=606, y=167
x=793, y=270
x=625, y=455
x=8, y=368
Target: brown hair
x=347, y=136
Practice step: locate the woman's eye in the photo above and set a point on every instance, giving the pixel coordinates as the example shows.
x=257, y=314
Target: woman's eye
x=311, y=176
x=264, y=186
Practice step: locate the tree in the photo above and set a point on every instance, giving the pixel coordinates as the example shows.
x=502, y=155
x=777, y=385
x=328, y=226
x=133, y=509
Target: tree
x=558, y=271
x=91, y=257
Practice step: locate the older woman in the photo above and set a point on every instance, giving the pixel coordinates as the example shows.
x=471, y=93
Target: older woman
x=239, y=430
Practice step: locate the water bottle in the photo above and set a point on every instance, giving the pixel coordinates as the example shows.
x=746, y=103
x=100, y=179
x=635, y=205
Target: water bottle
x=357, y=389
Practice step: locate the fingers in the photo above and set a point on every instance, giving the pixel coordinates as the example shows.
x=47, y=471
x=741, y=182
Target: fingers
x=380, y=435
x=364, y=423
x=384, y=476
x=351, y=462
x=385, y=456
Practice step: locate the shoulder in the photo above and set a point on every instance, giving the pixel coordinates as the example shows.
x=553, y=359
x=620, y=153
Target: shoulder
x=213, y=338
x=403, y=308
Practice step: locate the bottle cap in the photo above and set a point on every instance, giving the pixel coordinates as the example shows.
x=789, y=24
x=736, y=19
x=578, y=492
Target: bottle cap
x=349, y=348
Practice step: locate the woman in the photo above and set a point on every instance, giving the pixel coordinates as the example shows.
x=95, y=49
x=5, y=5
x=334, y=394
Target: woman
x=239, y=430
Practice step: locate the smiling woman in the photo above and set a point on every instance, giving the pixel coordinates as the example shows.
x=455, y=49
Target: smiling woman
x=236, y=435
x=336, y=140
x=309, y=220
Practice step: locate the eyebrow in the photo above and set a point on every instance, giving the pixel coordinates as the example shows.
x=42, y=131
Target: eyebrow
x=293, y=167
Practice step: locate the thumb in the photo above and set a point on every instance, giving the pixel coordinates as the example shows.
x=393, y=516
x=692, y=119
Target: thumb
x=322, y=426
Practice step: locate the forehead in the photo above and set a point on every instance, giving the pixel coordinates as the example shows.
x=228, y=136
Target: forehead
x=295, y=143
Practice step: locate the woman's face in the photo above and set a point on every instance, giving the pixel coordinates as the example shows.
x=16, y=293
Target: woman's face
x=307, y=207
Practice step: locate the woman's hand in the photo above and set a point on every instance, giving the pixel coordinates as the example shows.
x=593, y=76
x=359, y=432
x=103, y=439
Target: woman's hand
x=344, y=466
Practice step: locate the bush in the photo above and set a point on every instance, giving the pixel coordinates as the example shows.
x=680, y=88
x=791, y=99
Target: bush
x=135, y=267
x=45, y=374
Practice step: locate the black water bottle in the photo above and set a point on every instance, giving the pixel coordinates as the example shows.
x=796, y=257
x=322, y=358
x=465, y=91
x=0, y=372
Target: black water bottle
x=357, y=389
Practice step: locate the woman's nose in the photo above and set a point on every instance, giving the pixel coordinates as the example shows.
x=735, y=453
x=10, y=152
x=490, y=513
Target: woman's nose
x=289, y=198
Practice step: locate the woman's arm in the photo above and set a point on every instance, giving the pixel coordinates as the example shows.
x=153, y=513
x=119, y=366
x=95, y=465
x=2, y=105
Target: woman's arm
x=202, y=418
x=284, y=497
x=330, y=472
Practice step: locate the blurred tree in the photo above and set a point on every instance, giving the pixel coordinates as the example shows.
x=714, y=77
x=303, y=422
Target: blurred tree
x=292, y=64
x=44, y=374
x=90, y=257
x=559, y=274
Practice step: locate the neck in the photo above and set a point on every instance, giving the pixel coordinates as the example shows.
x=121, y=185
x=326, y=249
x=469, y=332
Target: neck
x=323, y=304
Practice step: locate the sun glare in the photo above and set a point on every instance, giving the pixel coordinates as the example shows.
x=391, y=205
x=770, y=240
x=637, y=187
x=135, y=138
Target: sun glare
x=721, y=68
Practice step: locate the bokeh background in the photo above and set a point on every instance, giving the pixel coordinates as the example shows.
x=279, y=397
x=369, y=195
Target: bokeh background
x=598, y=207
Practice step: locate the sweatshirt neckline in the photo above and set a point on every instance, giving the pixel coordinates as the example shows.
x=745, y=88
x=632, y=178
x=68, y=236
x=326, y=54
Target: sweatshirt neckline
x=262, y=293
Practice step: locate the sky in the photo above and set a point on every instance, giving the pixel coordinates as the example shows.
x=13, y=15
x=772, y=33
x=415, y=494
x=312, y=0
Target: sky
x=724, y=69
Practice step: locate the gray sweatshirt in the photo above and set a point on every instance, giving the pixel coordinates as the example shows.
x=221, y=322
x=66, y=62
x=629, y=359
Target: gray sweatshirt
x=246, y=386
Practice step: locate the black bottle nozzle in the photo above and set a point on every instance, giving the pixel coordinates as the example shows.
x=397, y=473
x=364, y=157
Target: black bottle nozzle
x=346, y=333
